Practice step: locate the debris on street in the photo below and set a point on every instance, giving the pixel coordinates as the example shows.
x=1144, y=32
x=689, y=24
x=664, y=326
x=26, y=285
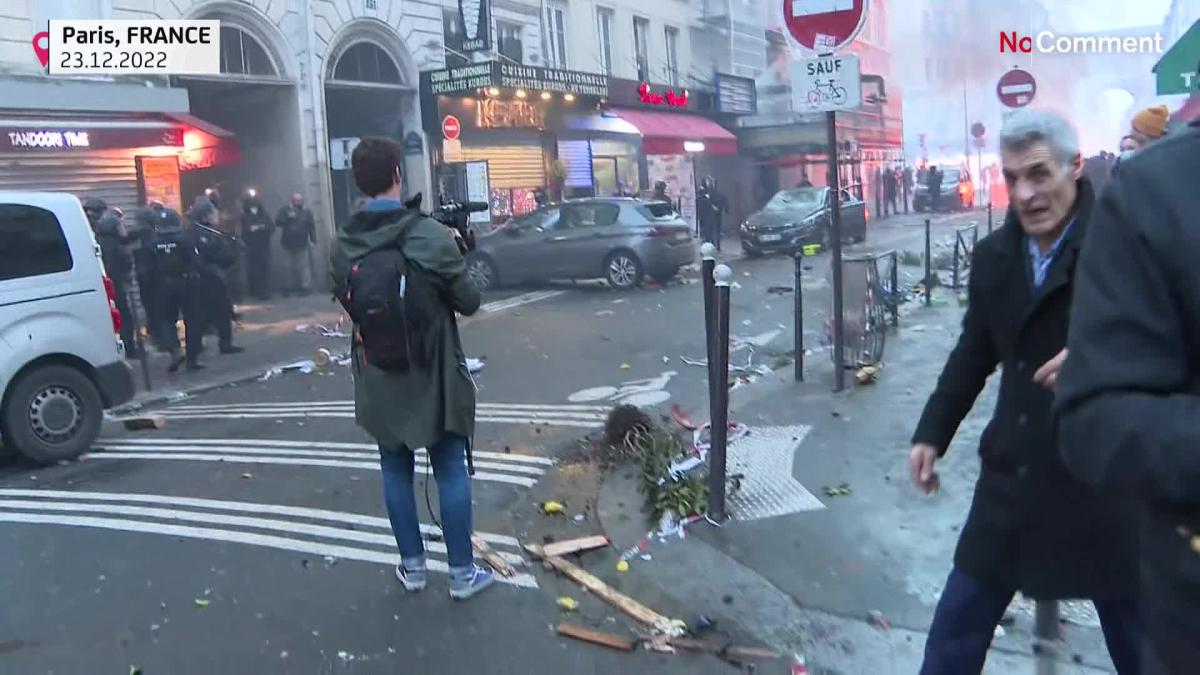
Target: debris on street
x=681, y=418
x=876, y=618
x=144, y=423
x=494, y=559
x=866, y=374
x=323, y=331
x=780, y=290
x=568, y=603
x=551, y=508
x=626, y=366
x=596, y=637
x=203, y=602
x=579, y=545
x=842, y=490
x=623, y=566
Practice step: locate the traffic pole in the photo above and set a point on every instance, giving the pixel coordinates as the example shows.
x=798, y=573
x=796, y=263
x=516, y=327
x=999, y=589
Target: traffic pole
x=798, y=317
x=928, y=267
x=835, y=242
x=1046, y=631
x=719, y=427
x=708, y=258
x=989, y=217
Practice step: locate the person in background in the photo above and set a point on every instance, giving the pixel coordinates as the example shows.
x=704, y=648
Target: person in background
x=540, y=197
x=710, y=207
x=934, y=183
x=1146, y=127
x=907, y=186
x=113, y=239
x=147, y=220
x=889, y=191
x=1128, y=396
x=257, y=229
x=174, y=272
x=660, y=191
x=1032, y=527
x=216, y=254
x=298, y=230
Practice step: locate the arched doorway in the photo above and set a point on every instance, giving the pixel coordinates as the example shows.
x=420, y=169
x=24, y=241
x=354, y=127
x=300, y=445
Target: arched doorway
x=368, y=92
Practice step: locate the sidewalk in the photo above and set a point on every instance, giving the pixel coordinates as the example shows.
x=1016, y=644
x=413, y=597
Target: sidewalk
x=807, y=582
x=267, y=331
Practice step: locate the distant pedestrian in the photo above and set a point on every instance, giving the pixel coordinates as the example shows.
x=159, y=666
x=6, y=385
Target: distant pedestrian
x=1032, y=527
x=299, y=232
x=889, y=191
x=908, y=186
x=256, y=232
x=710, y=208
x=411, y=385
x=934, y=183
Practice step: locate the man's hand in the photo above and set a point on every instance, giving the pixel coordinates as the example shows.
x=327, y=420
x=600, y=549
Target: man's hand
x=1047, y=375
x=920, y=467
x=458, y=239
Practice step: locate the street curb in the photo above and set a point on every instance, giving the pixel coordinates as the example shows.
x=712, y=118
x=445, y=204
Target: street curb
x=159, y=399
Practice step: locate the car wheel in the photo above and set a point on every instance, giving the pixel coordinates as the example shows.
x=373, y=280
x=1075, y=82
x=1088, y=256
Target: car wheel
x=483, y=272
x=623, y=270
x=53, y=413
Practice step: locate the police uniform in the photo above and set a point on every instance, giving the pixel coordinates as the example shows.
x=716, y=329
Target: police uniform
x=174, y=270
x=257, y=229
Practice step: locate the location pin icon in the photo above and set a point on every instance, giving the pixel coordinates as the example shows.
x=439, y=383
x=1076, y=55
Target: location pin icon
x=41, y=47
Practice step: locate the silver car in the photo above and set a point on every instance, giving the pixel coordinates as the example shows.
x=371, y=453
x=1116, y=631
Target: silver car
x=619, y=239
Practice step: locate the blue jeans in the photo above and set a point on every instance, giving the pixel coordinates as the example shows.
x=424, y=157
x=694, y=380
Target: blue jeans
x=967, y=615
x=449, y=462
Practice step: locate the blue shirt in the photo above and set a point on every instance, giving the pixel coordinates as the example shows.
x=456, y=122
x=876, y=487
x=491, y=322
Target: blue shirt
x=383, y=204
x=1041, y=261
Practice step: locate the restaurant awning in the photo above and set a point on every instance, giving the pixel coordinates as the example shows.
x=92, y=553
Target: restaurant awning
x=205, y=144
x=666, y=133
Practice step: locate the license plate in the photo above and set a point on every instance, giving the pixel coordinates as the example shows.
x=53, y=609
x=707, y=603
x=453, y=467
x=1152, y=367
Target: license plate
x=771, y=237
x=682, y=236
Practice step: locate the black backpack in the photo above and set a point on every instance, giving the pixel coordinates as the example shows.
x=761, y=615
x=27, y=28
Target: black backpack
x=390, y=302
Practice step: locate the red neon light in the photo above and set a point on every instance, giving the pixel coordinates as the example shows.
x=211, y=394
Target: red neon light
x=671, y=98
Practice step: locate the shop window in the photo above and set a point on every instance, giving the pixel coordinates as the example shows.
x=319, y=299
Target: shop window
x=242, y=54
x=36, y=233
x=671, y=36
x=641, y=29
x=508, y=41
x=366, y=62
x=604, y=29
x=555, y=30
x=452, y=39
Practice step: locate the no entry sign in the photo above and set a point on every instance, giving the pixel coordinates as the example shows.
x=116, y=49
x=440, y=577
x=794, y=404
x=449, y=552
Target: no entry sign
x=451, y=128
x=1016, y=88
x=824, y=25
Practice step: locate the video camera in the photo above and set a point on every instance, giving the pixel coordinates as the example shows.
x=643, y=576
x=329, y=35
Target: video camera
x=454, y=215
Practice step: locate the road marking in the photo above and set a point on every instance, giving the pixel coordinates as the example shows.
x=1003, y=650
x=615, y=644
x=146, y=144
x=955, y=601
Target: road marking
x=766, y=458
x=575, y=416
x=577, y=424
x=257, y=442
x=307, y=405
x=516, y=301
x=233, y=536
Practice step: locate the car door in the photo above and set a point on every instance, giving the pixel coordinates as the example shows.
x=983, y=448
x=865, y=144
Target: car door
x=854, y=217
x=518, y=248
x=582, y=245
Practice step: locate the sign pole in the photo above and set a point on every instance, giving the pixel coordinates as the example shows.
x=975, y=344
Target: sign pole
x=835, y=248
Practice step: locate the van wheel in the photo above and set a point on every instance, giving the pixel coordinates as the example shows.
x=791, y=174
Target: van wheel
x=53, y=413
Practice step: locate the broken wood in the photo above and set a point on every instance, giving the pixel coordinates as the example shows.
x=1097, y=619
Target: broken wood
x=596, y=637
x=497, y=561
x=561, y=548
x=631, y=607
x=144, y=423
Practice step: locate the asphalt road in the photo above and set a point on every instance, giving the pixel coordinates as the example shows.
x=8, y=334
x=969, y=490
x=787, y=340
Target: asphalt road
x=249, y=535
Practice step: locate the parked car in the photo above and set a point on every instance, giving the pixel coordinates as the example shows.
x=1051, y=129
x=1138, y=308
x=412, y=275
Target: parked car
x=61, y=358
x=958, y=192
x=799, y=216
x=619, y=239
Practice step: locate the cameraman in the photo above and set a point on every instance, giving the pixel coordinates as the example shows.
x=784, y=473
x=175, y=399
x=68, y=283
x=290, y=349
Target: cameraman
x=430, y=404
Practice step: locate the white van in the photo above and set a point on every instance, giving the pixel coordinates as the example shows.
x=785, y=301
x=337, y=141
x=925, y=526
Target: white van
x=61, y=358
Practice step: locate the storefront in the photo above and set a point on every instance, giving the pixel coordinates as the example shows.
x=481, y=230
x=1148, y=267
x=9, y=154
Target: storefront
x=124, y=159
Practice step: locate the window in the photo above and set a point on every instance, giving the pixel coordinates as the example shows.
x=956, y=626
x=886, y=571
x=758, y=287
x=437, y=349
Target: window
x=672, y=43
x=508, y=42
x=452, y=38
x=555, y=30
x=604, y=28
x=641, y=28
x=542, y=218
x=595, y=214
x=34, y=232
x=241, y=54
x=366, y=62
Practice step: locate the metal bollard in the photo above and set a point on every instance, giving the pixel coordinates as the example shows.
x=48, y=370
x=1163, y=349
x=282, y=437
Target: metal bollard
x=1046, y=633
x=989, y=217
x=928, y=268
x=798, y=317
x=722, y=276
x=954, y=271
x=708, y=257
x=895, y=302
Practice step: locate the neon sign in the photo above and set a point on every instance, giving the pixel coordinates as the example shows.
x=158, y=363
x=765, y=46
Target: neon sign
x=675, y=100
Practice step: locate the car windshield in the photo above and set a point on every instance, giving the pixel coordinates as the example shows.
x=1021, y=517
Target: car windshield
x=535, y=219
x=791, y=200
x=657, y=211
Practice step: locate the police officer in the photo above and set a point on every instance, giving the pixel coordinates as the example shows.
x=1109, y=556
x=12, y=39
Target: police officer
x=174, y=272
x=256, y=232
x=112, y=237
x=710, y=206
x=146, y=222
x=216, y=253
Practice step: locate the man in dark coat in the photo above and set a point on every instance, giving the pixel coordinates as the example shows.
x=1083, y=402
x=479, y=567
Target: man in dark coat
x=1129, y=396
x=934, y=182
x=889, y=191
x=710, y=207
x=256, y=232
x=299, y=233
x=1032, y=527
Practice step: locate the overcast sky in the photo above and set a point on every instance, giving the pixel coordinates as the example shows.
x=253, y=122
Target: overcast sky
x=1098, y=15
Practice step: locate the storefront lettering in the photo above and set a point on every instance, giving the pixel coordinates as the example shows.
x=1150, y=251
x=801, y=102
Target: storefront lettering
x=461, y=79
x=553, y=79
x=48, y=139
x=671, y=98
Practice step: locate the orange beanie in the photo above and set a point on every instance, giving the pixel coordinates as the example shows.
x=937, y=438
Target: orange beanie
x=1152, y=122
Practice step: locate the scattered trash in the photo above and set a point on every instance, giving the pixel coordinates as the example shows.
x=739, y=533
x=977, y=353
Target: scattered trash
x=330, y=560
x=842, y=490
x=494, y=559
x=323, y=331
x=623, y=566
x=474, y=365
x=134, y=670
x=666, y=359
x=568, y=603
x=626, y=366
x=605, y=312
x=999, y=632
x=177, y=396
x=646, y=556
x=799, y=665
x=876, y=618
x=145, y=423
x=780, y=290
x=747, y=322
x=618, y=301
x=323, y=358
x=866, y=374
x=306, y=366
x=283, y=654
x=154, y=627
x=247, y=474
x=579, y=518
x=596, y=637
x=203, y=602
x=551, y=508
x=681, y=418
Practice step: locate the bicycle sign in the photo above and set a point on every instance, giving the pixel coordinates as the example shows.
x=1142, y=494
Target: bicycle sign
x=826, y=83
x=650, y=391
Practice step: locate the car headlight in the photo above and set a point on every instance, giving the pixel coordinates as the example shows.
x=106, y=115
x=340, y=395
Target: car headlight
x=748, y=226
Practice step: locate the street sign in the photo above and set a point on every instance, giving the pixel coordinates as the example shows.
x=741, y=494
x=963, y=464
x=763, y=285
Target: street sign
x=824, y=26
x=340, y=150
x=413, y=144
x=1016, y=88
x=978, y=130
x=451, y=128
x=826, y=84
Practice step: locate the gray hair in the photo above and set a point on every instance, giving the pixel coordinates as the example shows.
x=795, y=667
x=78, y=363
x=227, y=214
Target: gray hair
x=1028, y=126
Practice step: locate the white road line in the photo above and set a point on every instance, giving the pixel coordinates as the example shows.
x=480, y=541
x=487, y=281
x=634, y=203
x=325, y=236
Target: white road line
x=264, y=540
x=287, y=461
x=583, y=423
x=331, y=454
x=322, y=531
x=261, y=443
x=566, y=407
x=243, y=507
x=517, y=301
x=340, y=412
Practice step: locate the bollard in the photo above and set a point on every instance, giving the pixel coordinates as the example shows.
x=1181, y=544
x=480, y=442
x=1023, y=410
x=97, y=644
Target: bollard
x=954, y=270
x=1046, y=633
x=989, y=217
x=708, y=256
x=798, y=317
x=906, y=198
x=719, y=428
x=895, y=300
x=928, y=268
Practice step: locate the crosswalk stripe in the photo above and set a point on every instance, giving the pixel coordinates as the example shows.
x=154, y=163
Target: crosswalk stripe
x=287, y=452
x=307, y=405
x=530, y=415
x=582, y=423
x=357, y=519
x=258, y=442
x=234, y=536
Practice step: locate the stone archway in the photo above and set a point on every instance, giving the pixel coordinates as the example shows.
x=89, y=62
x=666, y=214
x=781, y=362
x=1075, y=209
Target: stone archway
x=253, y=22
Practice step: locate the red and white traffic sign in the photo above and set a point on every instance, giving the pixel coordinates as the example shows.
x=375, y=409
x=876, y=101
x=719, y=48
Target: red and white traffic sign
x=1016, y=88
x=451, y=128
x=824, y=26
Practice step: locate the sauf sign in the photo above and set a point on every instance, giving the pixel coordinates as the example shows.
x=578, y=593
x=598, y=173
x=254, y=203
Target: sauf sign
x=826, y=83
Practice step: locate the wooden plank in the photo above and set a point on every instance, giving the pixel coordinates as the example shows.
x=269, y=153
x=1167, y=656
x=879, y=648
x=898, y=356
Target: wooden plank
x=631, y=607
x=596, y=637
x=145, y=423
x=569, y=546
x=494, y=559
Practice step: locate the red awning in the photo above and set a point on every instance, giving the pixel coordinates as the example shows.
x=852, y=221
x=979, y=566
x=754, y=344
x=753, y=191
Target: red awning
x=665, y=133
x=205, y=145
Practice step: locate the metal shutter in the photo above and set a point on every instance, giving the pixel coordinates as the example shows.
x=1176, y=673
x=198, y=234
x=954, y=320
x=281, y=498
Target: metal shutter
x=510, y=166
x=577, y=155
x=111, y=176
